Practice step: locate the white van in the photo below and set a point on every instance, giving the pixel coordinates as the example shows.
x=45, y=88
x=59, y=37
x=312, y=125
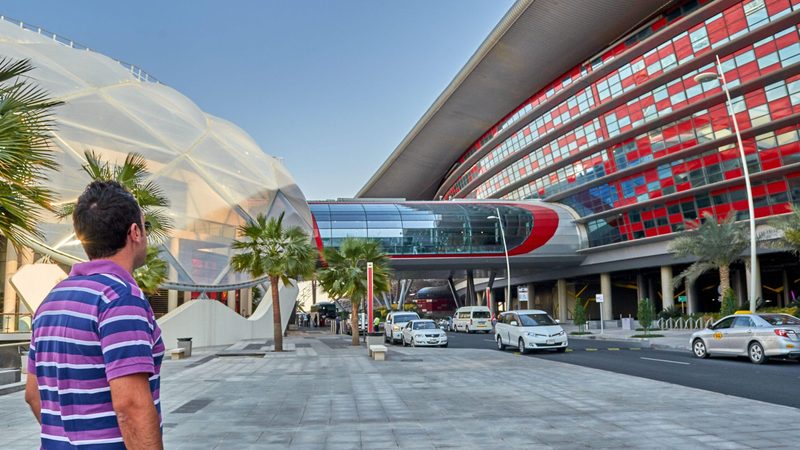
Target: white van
x=530, y=329
x=472, y=319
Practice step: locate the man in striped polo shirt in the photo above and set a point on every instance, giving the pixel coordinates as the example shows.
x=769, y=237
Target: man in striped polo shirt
x=96, y=350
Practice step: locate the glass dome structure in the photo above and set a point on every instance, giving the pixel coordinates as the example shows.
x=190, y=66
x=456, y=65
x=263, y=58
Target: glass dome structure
x=214, y=174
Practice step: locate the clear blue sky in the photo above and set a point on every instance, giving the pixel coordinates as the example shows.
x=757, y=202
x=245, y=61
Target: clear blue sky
x=330, y=86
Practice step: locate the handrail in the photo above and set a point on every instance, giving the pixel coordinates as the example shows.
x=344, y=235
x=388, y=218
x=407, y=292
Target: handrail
x=5, y=327
x=135, y=71
x=682, y=323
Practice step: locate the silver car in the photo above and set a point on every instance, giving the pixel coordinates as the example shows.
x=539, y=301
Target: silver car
x=758, y=336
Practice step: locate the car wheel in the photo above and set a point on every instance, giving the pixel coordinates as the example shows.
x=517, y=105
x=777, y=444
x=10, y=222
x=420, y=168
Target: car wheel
x=699, y=349
x=500, y=345
x=444, y=345
x=403, y=339
x=756, y=353
x=413, y=344
x=561, y=350
x=467, y=328
x=385, y=339
x=521, y=346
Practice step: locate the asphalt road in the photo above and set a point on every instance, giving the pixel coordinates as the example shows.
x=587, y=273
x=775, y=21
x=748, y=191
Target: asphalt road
x=774, y=382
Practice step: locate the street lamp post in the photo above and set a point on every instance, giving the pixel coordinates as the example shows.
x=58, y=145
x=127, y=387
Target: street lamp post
x=508, y=264
x=720, y=76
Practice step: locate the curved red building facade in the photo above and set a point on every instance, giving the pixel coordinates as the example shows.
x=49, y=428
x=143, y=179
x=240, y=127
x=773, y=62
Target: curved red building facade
x=623, y=135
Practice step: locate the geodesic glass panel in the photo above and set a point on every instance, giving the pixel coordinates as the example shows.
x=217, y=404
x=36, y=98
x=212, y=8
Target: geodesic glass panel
x=213, y=173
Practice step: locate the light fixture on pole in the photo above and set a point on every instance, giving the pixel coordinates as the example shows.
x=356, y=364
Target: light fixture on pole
x=508, y=264
x=720, y=76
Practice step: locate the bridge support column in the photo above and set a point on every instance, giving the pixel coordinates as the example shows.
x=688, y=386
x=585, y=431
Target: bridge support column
x=471, y=298
x=786, y=299
x=232, y=300
x=561, y=292
x=691, y=297
x=9, y=322
x=667, y=299
x=605, y=289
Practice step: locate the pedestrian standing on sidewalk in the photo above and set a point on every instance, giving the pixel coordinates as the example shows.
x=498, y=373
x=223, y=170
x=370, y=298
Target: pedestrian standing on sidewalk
x=337, y=324
x=96, y=349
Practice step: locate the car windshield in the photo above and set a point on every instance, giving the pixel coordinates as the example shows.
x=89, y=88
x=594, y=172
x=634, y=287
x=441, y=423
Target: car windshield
x=536, y=320
x=424, y=326
x=481, y=315
x=780, y=319
x=405, y=318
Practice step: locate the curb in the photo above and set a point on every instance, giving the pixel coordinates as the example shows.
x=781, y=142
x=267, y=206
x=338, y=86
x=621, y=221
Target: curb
x=646, y=342
x=11, y=388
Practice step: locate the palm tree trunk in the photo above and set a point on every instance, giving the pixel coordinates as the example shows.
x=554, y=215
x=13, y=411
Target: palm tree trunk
x=354, y=321
x=276, y=315
x=724, y=279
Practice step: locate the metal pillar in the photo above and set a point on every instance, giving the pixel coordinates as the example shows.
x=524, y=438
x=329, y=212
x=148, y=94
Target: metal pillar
x=453, y=291
x=754, y=271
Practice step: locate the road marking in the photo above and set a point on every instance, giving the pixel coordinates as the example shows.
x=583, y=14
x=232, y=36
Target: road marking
x=635, y=348
x=489, y=340
x=569, y=350
x=613, y=349
x=591, y=349
x=665, y=360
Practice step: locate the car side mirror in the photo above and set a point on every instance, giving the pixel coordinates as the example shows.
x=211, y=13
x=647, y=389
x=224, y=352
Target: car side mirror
x=513, y=323
x=558, y=321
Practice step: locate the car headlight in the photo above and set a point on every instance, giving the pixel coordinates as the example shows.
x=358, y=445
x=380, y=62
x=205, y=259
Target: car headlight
x=396, y=328
x=562, y=333
x=532, y=334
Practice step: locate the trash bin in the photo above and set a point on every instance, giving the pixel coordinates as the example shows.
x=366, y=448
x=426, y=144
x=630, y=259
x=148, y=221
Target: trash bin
x=186, y=345
x=627, y=323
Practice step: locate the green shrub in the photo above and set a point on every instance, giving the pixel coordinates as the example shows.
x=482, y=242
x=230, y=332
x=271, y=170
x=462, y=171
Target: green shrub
x=579, y=316
x=645, y=314
x=670, y=313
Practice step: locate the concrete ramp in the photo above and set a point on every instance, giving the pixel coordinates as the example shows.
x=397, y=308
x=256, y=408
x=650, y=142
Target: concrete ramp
x=210, y=323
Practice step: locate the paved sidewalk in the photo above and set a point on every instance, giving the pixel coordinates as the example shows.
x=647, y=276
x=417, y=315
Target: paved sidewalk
x=326, y=394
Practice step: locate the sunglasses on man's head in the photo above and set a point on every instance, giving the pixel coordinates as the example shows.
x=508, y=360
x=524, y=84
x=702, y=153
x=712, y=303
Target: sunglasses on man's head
x=147, y=226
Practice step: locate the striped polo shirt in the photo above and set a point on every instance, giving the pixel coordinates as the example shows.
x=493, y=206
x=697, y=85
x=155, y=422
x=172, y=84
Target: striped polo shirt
x=93, y=327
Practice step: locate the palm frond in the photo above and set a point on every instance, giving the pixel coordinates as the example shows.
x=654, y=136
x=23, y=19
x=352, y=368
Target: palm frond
x=26, y=157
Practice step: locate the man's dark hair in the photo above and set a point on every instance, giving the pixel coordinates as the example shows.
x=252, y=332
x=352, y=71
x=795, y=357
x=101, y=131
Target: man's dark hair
x=103, y=216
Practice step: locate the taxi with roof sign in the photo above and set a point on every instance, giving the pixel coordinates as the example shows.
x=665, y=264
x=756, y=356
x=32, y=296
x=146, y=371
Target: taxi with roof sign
x=758, y=336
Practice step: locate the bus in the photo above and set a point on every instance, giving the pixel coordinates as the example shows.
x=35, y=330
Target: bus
x=324, y=311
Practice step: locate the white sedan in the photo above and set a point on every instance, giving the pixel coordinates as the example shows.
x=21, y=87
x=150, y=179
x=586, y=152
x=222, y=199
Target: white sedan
x=423, y=332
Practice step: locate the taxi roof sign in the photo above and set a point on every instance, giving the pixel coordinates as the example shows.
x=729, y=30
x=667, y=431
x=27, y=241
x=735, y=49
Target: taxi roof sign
x=743, y=311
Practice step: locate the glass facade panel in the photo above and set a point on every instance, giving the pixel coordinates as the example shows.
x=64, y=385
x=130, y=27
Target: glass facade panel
x=420, y=228
x=213, y=174
x=605, y=179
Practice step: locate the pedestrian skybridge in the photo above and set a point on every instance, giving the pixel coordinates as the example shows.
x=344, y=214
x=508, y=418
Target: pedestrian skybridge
x=453, y=235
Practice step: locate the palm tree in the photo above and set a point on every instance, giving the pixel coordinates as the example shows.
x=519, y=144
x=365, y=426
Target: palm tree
x=133, y=174
x=717, y=245
x=346, y=274
x=152, y=274
x=790, y=225
x=26, y=121
x=269, y=248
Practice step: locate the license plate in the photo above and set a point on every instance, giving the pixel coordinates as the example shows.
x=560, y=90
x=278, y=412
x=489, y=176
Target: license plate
x=551, y=341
